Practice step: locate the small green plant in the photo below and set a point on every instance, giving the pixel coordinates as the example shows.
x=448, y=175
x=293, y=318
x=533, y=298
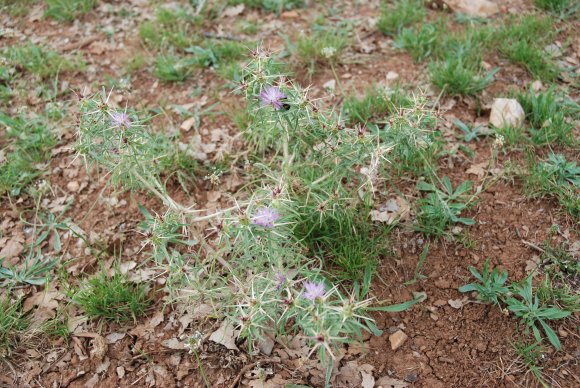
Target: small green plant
x=418, y=275
x=216, y=54
x=420, y=41
x=555, y=177
x=470, y=133
x=68, y=10
x=35, y=270
x=25, y=154
x=519, y=299
x=16, y=8
x=112, y=298
x=531, y=355
x=550, y=115
x=522, y=42
x=171, y=68
x=348, y=244
x=322, y=47
x=401, y=14
x=559, y=8
x=13, y=323
x=492, y=287
x=377, y=103
x=456, y=77
x=527, y=306
x=442, y=207
x=39, y=61
x=163, y=232
x=173, y=28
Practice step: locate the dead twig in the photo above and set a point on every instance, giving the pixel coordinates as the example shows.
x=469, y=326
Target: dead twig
x=82, y=43
x=532, y=245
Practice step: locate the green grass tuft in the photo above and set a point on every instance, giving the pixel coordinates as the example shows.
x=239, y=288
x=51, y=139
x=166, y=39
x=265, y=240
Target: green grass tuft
x=112, y=298
x=68, y=10
x=13, y=323
x=403, y=13
x=39, y=61
x=26, y=154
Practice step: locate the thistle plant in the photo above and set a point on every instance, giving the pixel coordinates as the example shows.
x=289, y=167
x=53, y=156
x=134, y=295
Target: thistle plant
x=257, y=268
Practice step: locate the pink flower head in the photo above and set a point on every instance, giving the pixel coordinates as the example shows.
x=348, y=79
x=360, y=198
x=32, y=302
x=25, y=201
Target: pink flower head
x=313, y=290
x=272, y=95
x=120, y=119
x=265, y=216
x=280, y=280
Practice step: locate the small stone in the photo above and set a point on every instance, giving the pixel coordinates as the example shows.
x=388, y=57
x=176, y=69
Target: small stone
x=289, y=15
x=266, y=344
x=434, y=317
x=73, y=186
x=537, y=86
x=553, y=50
x=392, y=76
x=440, y=303
x=397, y=339
x=563, y=333
x=455, y=303
x=506, y=112
x=120, y=372
x=411, y=378
x=480, y=8
x=330, y=85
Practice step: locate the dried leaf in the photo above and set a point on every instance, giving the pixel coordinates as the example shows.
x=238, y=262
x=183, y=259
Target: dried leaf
x=115, y=337
x=173, y=343
x=99, y=344
x=394, y=210
x=455, y=303
x=225, y=335
x=12, y=249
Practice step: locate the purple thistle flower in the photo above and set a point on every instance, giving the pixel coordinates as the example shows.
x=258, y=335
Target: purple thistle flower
x=313, y=290
x=120, y=119
x=272, y=95
x=265, y=216
x=280, y=280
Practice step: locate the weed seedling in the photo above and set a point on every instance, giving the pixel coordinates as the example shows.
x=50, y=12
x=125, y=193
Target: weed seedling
x=440, y=208
x=471, y=133
x=491, y=288
x=527, y=307
x=68, y=10
x=421, y=41
x=401, y=14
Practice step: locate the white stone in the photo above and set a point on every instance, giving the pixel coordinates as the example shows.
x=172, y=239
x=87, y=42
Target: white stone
x=397, y=339
x=506, y=112
x=392, y=76
x=481, y=8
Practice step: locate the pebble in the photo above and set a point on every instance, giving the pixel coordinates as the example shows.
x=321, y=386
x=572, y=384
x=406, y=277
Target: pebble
x=392, y=76
x=440, y=303
x=73, y=186
x=506, y=112
x=397, y=339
